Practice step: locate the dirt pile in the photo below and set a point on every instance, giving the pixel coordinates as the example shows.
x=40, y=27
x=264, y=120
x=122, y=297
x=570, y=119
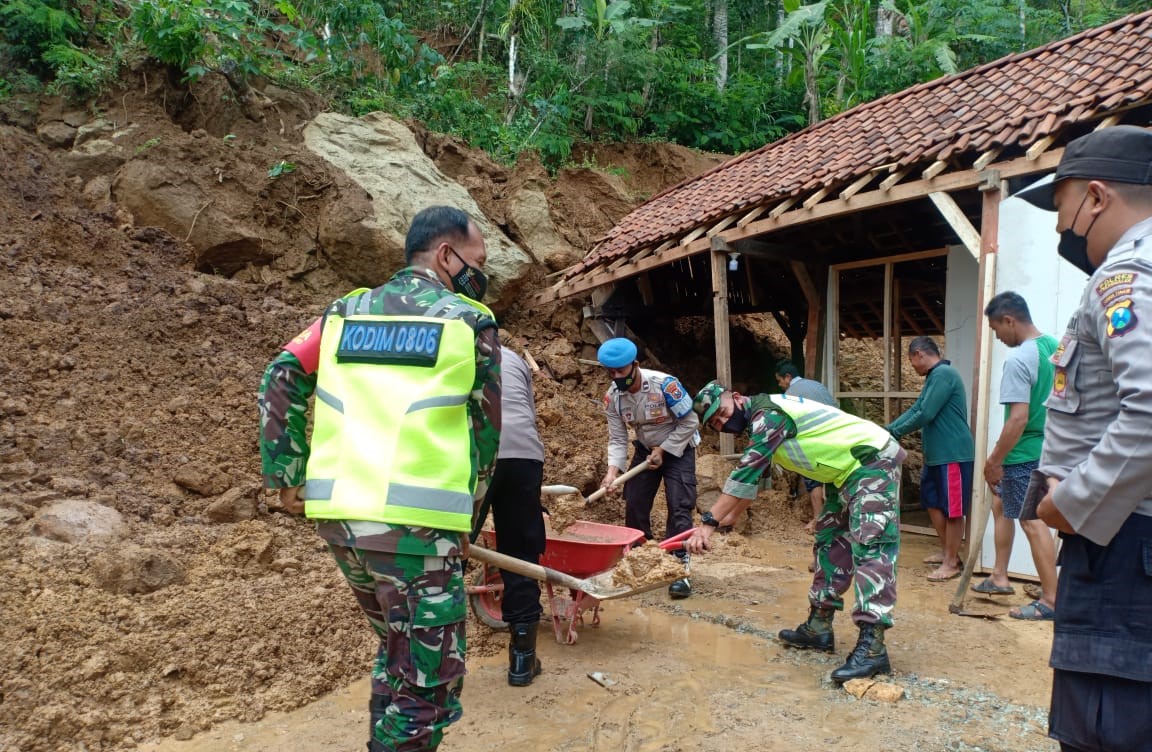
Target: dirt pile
x=145, y=585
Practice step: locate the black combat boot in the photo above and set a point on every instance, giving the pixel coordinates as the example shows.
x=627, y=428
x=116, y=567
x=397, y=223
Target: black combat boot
x=377, y=704
x=814, y=634
x=869, y=657
x=523, y=665
x=681, y=588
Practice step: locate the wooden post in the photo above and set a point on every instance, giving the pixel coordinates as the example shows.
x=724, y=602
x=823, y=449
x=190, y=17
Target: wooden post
x=720, y=320
x=811, y=335
x=981, y=495
x=888, y=309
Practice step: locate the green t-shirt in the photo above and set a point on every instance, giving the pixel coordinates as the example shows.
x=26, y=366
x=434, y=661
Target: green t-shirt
x=1027, y=378
x=940, y=414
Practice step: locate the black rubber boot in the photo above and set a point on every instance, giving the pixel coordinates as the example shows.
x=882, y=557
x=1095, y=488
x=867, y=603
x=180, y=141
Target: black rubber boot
x=814, y=634
x=377, y=704
x=681, y=588
x=523, y=665
x=868, y=658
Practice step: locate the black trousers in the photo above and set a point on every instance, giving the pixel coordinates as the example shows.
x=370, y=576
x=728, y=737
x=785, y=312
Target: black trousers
x=1102, y=642
x=514, y=494
x=679, y=476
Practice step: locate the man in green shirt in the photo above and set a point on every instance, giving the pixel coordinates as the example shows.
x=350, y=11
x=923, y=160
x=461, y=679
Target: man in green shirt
x=857, y=534
x=1024, y=386
x=941, y=413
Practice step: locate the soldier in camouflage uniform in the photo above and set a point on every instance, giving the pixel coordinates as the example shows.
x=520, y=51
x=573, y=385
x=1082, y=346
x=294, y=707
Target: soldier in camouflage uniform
x=857, y=534
x=408, y=578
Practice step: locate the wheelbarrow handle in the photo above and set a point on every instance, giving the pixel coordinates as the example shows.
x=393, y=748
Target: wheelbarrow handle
x=528, y=569
x=620, y=480
x=676, y=542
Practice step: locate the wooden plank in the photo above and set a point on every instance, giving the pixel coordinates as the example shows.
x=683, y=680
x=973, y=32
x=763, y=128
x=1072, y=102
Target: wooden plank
x=911, y=322
x=722, y=225
x=987, y=158
x=895, y=259
x=644, y=285
x=1108, y=122
x=934, y=169
x=780, y=208
x=906, y=527
x=956, y=218
x=720, y=322
x=886, y=319
x=1038, y=148
x=853, y=189
x=893, y=179
x=754, y=214
x=927, y=307
x=687, y=239
x=952, y=181
x=753, y=291
x=875, y=395
x=817, y=197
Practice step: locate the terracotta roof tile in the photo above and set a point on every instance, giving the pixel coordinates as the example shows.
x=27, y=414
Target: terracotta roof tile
x=1019, y=99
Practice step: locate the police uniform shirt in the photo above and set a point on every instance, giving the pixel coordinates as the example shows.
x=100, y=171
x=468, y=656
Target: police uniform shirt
x=660, y=413
x=1098, y=437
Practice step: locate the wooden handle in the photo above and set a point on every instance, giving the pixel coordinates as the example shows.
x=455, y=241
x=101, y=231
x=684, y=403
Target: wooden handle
x=620, y=480
x=528, y=569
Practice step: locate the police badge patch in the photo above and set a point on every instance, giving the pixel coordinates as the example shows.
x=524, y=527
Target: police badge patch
x=1121, y=318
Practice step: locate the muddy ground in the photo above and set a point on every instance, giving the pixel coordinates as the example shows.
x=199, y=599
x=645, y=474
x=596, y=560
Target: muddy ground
x=148, y=592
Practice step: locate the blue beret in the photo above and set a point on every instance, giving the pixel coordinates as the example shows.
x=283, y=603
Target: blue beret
x=616, y=353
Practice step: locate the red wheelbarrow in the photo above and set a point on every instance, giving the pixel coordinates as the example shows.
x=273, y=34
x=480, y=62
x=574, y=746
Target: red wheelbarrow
x=571, y=560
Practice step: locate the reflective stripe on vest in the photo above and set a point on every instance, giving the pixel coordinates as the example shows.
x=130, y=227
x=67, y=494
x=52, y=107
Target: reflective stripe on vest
x=392, y=439
x=821, y=449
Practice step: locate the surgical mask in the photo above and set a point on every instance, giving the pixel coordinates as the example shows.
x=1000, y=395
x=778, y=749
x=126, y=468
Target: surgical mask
x=469, y=280
x=1073, y=248
x=736, y=422
x=625, y=383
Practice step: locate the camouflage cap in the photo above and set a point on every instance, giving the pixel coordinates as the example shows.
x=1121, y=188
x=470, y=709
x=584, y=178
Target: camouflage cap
x=707, y=400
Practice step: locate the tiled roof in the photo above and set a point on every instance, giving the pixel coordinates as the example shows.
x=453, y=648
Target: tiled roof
x=1010, y=104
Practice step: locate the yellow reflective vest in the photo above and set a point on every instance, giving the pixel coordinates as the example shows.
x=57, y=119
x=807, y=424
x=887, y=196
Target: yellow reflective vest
x=825, y=436
x=391, y=437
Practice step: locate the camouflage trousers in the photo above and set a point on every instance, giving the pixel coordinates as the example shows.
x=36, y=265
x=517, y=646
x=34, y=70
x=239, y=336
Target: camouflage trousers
x=858, y=539
x=416, y=604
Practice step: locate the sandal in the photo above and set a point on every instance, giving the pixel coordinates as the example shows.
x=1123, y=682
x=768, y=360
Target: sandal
x=936, y=558
x=937, y=576
x=1034, y=611
x=987, y=587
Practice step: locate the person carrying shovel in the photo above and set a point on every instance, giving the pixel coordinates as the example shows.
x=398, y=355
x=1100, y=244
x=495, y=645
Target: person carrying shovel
x=857, y=534
x=659, y=410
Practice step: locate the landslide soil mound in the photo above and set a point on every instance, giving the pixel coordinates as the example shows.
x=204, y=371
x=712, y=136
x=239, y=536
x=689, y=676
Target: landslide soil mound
x=147, y=588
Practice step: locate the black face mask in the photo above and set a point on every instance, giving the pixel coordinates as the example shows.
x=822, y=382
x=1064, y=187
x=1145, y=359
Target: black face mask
x=1073, y=248
x=736, y=423
x=469, y=280
x=625, y=383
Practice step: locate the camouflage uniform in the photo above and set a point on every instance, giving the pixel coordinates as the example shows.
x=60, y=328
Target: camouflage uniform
x=857, y=533
x=408, y=580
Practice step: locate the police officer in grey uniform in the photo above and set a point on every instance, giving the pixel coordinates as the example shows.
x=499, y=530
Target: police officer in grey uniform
x=1094, y=481
x=659, y=410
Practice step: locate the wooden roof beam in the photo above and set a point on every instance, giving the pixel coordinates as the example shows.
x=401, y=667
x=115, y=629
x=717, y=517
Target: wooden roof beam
x=956, y=218
x=956, y=180
x=927, y=308
x=752, y=215
x=893, y=179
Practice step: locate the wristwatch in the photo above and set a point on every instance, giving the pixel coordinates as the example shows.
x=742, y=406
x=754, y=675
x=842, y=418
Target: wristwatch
x=709, y=520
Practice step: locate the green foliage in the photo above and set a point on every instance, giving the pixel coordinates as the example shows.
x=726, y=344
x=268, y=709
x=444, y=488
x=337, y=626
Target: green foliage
x=32, y=27
x=281, y=168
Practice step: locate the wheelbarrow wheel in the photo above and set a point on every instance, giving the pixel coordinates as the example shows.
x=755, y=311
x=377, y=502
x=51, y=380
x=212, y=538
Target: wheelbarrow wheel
x=486, y=604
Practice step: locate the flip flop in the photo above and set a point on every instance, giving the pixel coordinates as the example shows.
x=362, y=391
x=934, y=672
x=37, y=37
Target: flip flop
x=987, y=587
x=933, y=559
x=1034, y=611
x=943, y=578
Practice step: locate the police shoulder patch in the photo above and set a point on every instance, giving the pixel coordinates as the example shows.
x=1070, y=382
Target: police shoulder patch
x=408, y=343
x=1120, y=318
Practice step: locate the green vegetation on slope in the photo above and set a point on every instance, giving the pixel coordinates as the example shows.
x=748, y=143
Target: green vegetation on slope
x=513, y=75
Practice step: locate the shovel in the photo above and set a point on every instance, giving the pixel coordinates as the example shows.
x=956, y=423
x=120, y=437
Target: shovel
x=599, y=587
x=620, y=480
